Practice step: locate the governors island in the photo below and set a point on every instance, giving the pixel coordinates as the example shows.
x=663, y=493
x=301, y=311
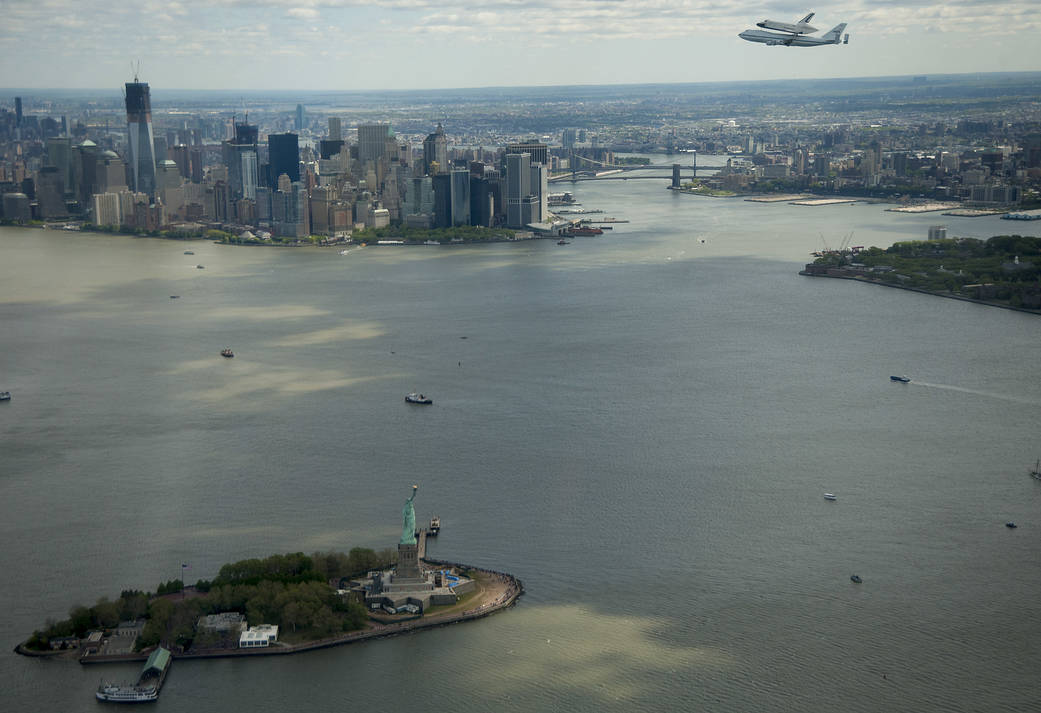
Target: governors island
x=283, y=604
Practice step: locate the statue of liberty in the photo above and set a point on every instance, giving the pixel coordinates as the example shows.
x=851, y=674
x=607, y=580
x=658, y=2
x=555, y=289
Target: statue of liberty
x=408, y=520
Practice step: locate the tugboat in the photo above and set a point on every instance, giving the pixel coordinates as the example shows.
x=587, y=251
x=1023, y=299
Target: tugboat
x=227, y=353
x=435, y=526
x=415, y=398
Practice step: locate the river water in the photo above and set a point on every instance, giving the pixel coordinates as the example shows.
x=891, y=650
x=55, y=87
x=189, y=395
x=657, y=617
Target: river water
x=639, y=425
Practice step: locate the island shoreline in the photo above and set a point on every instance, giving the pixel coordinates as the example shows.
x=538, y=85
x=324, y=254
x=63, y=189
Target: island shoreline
x=514, y=589
x=962, y=298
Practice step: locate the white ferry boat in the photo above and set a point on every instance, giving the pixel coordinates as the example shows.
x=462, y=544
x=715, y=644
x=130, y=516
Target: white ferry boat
x=126, y=694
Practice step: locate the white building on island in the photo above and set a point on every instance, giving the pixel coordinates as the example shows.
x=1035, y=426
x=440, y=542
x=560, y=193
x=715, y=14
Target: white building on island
x=258, y=636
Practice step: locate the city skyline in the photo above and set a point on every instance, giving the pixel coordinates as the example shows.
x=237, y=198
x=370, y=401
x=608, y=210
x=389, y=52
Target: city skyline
x=410, y=44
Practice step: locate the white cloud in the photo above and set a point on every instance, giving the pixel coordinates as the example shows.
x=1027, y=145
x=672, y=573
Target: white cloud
x=235, y=34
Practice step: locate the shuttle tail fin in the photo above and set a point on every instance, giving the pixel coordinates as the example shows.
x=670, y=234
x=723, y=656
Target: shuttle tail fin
x=807, y=18
x=834, y=35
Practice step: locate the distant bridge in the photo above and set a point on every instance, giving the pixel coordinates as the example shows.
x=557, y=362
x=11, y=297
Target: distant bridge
x=602, y=171
x=665, y=173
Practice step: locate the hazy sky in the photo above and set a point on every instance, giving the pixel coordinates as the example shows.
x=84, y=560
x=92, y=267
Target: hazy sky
x=408, y=44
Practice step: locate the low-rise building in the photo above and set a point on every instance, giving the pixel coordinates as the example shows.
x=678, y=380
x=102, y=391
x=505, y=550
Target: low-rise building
x=258, y=636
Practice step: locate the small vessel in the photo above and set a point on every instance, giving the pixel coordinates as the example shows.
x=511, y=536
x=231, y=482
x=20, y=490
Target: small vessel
x=5, y=395
x=1011, y=525
x=435, y=526
x=901, y=379
x=562, y=242
x=344, y=252
x=126, y=694
x=227, y=353
x=855, y=578
x=415, y=398
x=200, y=267
x=175, y=297
x=188, y=252
x=1035, y=473
x=830, y=496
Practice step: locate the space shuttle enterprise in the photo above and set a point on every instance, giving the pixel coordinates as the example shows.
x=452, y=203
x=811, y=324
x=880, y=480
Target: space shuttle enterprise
x=794, y=34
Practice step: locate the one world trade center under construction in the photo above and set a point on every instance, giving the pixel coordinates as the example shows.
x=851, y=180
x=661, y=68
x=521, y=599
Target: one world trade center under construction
x=139, y=137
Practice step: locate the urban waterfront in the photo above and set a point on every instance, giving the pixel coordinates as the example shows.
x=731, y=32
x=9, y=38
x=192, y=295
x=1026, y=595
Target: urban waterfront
x=639, y=425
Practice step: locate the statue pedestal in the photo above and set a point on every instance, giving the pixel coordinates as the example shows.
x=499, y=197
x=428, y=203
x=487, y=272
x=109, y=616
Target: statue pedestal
x=408, y=563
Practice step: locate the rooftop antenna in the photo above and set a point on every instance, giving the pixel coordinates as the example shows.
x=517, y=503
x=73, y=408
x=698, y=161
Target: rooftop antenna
x=135, y=67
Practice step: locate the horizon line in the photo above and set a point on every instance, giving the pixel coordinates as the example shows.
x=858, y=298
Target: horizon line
x=548, y=86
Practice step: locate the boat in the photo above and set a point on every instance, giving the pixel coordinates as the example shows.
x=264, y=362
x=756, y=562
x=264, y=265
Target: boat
x=830, y=496
x=227, y=353
x=1011, y=525
x=562, y=242
x=175, y=297
x=583, y=230
x=126, y=694
x=1035, y=473
x=344, y=252
x=188, y=252
x=5, y=395
x=415, y=398
x=148, y=683
x=901, y=379
x=435, y=526
x=200, y=266
x=855, y=578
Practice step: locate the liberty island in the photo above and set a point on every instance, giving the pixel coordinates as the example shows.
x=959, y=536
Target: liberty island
x=415, y=594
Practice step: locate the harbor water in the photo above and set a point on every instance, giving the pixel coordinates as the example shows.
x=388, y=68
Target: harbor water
x=640, y=425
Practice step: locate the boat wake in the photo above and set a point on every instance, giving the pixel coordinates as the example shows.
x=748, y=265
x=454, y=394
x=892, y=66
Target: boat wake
x=988, y=394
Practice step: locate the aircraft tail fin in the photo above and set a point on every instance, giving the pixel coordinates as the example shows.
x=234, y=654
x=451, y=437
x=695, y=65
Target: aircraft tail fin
x=807, y=18
x=835, y=34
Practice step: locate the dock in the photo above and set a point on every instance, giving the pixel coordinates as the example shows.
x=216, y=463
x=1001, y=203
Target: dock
x=814, y=202
x=148, y=685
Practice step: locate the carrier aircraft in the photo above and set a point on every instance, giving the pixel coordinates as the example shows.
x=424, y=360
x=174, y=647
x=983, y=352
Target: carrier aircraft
x=794, y=34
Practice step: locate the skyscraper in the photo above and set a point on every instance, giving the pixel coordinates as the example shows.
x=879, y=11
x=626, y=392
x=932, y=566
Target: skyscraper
x=17, y=111
x=240, y=156
x=283, y=157
x=140, y=141
x=299, y=123
x=335, y=132
x=460, y=196
x=372, y=141
x=435, y=150
x=518, y=188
